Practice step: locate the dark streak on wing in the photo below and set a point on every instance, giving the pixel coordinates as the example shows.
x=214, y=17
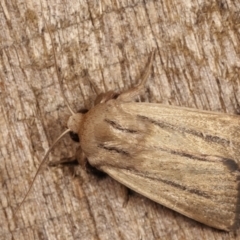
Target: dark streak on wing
x=230, y=163
x=173, y=184
x=184, y=188
x=117, y=150
x=206, y=137
x=119, y=127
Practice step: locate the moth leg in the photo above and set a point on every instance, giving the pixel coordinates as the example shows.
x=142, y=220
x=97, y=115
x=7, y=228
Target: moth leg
x=76, y=160
x=85, y=165
x=104, y=97
x=132, y=93
x=129, y=192
x=126, y=197
x=92, y=170
x=71, y=161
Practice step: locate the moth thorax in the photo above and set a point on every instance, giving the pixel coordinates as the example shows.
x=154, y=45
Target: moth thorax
x=75, y=122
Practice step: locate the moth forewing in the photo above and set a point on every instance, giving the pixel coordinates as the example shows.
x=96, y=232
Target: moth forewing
x=184, y=159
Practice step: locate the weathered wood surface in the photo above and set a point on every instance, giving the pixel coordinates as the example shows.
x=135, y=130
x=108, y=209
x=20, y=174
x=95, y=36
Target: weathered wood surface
x=102, y=45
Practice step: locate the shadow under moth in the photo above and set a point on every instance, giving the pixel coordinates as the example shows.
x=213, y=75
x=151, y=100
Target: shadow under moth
x=185, y=159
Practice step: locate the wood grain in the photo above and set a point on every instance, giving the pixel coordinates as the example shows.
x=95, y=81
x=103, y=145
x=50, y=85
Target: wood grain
x=102, y=45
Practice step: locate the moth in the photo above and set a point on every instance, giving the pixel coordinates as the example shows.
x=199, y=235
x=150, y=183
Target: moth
x=185, y=159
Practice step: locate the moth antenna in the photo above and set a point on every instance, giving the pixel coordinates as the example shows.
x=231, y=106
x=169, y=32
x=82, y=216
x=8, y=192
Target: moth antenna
x=39, y=168
x=63, y=134
x=58, y=74
x=148, y=71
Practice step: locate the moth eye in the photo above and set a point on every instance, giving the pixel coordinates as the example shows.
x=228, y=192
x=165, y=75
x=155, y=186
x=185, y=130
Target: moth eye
x=116, y=95
x=74, y=136
x=83, y=111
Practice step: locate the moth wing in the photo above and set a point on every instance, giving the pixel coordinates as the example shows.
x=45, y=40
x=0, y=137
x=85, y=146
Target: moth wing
x=184, y=159
x=214, y=207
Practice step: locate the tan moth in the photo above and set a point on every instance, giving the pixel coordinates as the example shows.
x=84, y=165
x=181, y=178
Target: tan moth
x=185, y=159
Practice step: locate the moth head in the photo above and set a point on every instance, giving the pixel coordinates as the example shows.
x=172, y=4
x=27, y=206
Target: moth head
x=74, y=122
